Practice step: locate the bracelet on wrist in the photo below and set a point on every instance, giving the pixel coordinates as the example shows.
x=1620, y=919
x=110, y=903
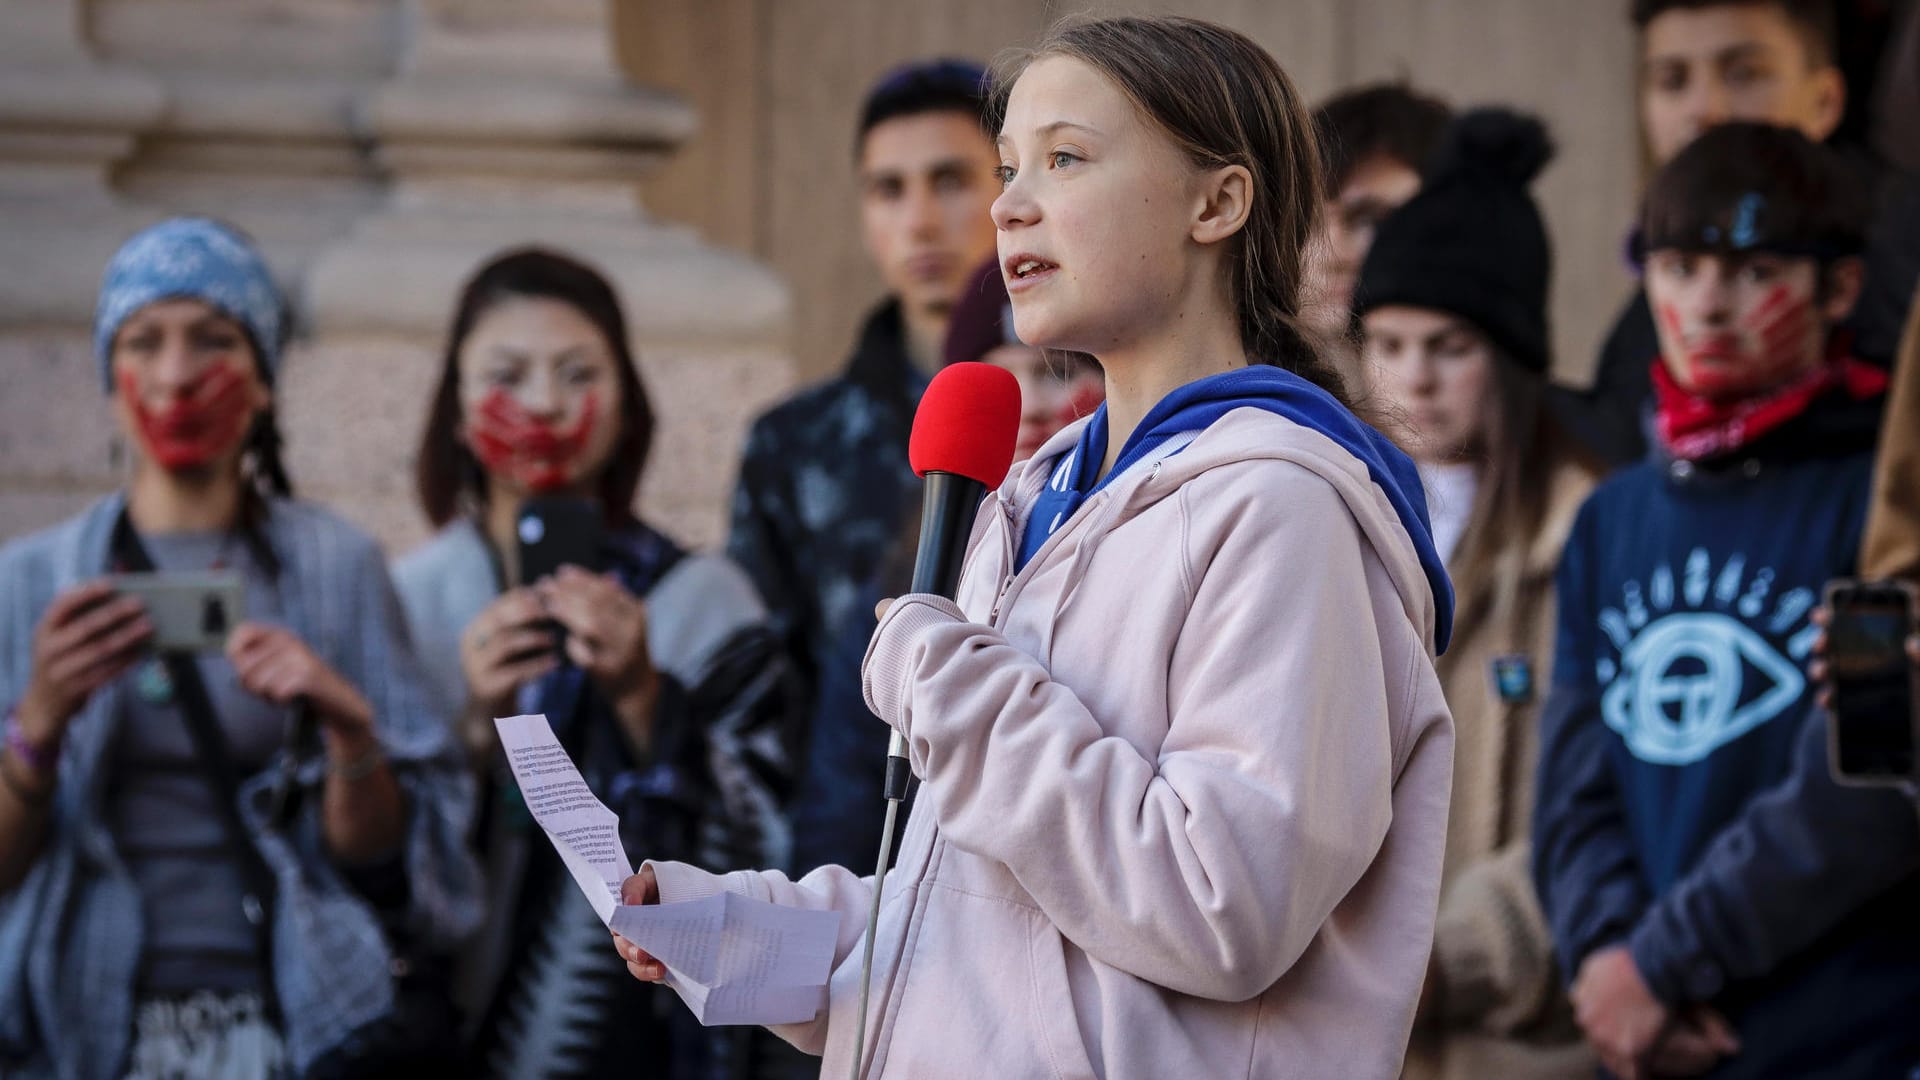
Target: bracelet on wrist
x=42, y=764
x=42, y=761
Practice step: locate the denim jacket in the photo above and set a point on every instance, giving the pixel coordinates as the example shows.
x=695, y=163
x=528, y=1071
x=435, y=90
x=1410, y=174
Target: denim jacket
x=70, y=933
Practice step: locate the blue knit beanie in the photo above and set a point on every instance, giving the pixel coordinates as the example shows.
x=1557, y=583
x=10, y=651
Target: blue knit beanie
x=190, y=259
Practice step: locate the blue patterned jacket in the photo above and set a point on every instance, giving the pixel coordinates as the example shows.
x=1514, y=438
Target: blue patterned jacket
x=824, y=489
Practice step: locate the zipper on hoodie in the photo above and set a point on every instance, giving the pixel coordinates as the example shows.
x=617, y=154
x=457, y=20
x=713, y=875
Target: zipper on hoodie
x=1086, y=513
x=1089, y=511
x=1006, y=555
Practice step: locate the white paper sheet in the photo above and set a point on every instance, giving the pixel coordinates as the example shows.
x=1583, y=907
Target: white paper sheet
x=736, y=960
x=732, y=959
x=583, y=830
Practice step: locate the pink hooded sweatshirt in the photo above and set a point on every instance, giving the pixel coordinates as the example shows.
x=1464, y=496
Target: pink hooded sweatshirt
x=1184, y=785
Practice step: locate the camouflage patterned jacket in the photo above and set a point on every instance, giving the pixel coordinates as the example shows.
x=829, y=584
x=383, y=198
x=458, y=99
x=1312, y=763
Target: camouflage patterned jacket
x=824, y=487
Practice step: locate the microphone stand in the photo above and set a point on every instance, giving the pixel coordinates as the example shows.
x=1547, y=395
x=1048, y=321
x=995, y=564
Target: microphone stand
x=896, y=791
x=947, y=510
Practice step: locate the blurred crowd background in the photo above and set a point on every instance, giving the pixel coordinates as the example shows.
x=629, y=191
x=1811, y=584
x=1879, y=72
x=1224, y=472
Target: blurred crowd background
x=701, y=151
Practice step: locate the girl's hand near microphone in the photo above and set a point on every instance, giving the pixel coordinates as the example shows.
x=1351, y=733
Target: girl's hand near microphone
x=640, y=889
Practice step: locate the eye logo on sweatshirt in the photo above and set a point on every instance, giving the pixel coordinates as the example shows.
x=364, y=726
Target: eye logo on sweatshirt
x=1698, y=669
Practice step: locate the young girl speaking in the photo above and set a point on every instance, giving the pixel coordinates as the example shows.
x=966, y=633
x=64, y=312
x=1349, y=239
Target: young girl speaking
x=1184, y=759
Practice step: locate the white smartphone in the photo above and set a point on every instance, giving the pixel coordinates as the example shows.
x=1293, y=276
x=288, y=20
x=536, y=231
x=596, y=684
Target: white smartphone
x=190, y=612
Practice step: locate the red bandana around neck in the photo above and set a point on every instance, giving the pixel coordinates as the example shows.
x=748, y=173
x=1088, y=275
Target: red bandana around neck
x=1693, y=428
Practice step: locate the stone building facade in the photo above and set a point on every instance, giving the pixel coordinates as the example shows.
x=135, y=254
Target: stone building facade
x=379, y=150
x=698, y=150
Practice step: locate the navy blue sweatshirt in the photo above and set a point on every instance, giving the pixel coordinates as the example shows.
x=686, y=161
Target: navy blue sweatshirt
x=1684, y=807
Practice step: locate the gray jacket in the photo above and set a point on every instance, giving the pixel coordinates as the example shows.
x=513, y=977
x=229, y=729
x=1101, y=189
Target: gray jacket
x=445, y=583
x=711, y=787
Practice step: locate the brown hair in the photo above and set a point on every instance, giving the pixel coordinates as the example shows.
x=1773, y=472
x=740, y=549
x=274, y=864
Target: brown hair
x=1225, y=101
x=1524, y=446
x=1390, y=120
x=1815, y=21
x=449, y=477
x=1745, y=186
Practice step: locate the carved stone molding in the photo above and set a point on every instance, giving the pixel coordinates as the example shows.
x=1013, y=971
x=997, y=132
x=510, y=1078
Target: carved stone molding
x=378, y=150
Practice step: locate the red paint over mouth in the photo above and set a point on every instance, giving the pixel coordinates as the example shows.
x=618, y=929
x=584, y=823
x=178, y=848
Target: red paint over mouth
x=1770, y=353
x=511, y=441
x=1085, y=401
x=204, y=421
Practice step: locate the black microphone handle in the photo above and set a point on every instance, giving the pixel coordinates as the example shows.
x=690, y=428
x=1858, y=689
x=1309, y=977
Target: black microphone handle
x=948, y=506
x=947, y=509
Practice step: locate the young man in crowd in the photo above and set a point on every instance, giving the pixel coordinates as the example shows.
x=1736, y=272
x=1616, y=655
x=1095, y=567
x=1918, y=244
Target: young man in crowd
x=1724, y=908
x=1707, y=62
x=825, y=480
x=1374, y=142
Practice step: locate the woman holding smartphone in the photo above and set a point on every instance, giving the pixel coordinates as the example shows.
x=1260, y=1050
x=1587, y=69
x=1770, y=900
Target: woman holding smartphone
x=134, y=939
x=655, y=667
x=1183, y=756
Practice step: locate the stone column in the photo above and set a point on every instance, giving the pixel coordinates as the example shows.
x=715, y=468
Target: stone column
x=379, y=150
x=67, y=119
x=508, y=125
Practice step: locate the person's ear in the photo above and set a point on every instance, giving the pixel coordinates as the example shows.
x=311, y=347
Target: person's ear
x=1840, y=286
x=1829, y=103
x=1225, y=201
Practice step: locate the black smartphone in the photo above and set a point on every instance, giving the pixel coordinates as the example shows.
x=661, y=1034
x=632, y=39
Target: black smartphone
x=1871, y=733
x=556, y=531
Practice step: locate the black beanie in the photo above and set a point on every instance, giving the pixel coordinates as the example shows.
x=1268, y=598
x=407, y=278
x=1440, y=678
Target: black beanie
x=1471, y=243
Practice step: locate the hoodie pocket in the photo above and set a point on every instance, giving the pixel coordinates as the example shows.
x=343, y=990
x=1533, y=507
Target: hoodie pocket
x=986, y=995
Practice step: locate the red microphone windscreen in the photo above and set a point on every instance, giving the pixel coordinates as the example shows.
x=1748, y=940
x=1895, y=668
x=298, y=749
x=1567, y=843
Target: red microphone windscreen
x=967, y=423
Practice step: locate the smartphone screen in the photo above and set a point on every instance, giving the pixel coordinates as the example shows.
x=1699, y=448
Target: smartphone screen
x=1873, y=732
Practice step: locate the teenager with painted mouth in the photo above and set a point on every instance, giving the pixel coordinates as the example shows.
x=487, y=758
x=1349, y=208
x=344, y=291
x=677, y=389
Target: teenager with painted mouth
x=1719, y=905
x=162, y=922
x=655, y=665
x=1183, y=757
x=1708, y=62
